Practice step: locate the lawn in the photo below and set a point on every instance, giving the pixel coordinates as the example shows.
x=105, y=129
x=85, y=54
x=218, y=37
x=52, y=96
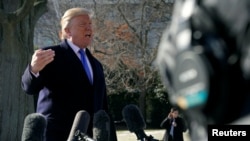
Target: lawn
x=125, y=135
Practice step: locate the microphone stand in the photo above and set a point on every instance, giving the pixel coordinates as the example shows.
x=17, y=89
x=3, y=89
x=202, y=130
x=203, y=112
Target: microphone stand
x=141, y=135
x=82, y=136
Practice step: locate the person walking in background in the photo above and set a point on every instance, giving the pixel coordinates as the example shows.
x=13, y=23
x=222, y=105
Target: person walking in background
x=174, y=125
x=67, y=77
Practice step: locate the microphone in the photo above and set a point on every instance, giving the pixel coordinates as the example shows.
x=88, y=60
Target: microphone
x=34, y=127
x=135, y=122
x=101, y=126
x=80, y=125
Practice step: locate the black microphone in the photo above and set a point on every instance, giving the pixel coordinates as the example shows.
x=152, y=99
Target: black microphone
x=101, y=126
x=34, y=127
x=80, y=125
x=135, y=122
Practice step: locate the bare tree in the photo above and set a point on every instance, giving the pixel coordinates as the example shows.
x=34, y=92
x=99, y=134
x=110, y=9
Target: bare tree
x=126, y=40
x=17, y=21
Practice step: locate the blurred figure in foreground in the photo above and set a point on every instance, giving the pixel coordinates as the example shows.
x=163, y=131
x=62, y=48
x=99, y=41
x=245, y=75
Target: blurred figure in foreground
x=204, y=61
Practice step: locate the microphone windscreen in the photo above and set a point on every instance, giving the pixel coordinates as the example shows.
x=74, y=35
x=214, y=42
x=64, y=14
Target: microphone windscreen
x=80, y=124
x=133, y=118
x=101, y=126
x=34, y=127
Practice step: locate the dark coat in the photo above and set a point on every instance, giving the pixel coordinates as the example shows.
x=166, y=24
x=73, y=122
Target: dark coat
x=64, y=89
x=178, y=130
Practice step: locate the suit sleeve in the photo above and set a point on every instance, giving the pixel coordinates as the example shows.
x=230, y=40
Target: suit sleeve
x=30, y=83
x=165, y=123
x=181, y=125
x=184, y=125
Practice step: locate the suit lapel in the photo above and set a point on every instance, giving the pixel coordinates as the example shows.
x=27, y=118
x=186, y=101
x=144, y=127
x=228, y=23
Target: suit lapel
x=74, y=60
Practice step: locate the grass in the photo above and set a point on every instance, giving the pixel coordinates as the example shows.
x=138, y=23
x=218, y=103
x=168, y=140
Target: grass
x=125, y=135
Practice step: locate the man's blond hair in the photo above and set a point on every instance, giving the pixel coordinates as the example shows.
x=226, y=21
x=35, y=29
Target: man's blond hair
x=70, y=14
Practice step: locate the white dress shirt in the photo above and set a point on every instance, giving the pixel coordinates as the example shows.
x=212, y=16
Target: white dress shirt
x=76, y=50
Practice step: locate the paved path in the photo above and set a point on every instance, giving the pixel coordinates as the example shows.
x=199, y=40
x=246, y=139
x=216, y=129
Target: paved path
x=125, y=135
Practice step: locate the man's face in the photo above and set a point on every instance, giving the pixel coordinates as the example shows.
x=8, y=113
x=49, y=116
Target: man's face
x=175, y=114
x=80, y=31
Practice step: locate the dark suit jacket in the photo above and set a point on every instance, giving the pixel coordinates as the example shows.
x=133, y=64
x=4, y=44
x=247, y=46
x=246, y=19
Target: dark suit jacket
x=178, y=130
x=64, y=89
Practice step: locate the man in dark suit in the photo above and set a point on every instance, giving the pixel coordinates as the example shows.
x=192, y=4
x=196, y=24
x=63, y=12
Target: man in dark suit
x=174, y=125
x=56, y=73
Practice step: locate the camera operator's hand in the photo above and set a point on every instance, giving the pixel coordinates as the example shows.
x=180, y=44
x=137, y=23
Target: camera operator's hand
x=170, y=116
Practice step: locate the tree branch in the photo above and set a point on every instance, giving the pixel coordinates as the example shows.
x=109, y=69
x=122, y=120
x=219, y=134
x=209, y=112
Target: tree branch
x=3, y=17
x=127, y=22
x=40, y=7
x=24, y=10
x=20, y=13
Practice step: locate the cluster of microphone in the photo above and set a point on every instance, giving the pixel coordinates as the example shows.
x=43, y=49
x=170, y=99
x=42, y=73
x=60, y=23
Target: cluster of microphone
x=35, y=125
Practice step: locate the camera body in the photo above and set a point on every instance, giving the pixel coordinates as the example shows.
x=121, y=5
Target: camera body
x=203, y=59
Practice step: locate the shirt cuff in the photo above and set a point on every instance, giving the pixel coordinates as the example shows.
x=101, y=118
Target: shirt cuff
x=35, y=74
